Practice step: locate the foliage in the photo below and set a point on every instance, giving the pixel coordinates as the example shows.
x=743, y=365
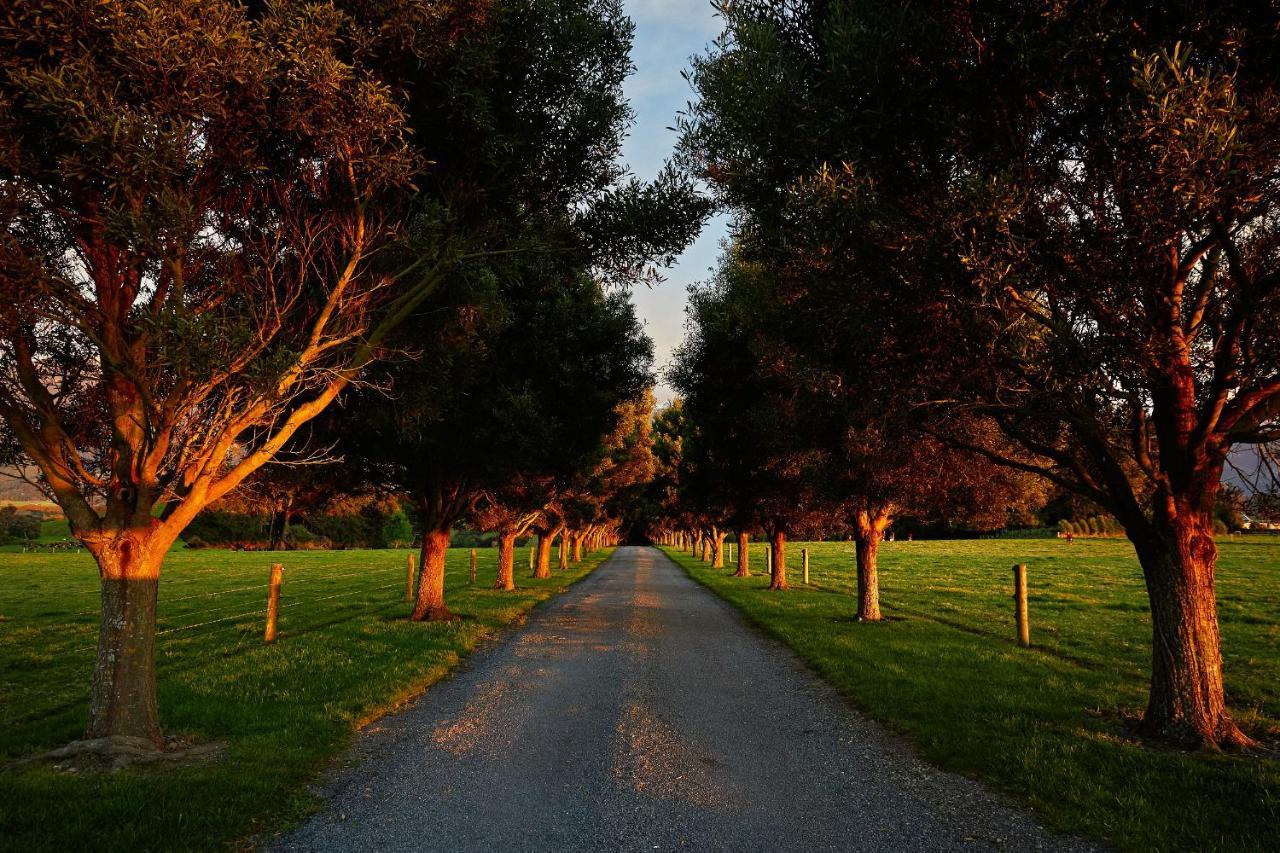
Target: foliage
x=1058, y=222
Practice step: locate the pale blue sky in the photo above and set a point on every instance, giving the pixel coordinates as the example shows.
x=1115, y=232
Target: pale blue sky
x=668, y=33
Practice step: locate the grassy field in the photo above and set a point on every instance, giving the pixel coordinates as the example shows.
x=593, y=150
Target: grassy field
x=345, y=655
x=1046, y=725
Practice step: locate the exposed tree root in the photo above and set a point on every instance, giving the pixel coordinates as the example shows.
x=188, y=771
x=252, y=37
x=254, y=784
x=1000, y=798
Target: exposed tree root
x=110, y=754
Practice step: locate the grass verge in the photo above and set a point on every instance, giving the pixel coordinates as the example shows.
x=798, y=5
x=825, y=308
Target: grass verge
x=345, y=655
x=1046, y=725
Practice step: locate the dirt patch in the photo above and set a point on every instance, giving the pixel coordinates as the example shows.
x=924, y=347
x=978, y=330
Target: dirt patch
x=111, y=754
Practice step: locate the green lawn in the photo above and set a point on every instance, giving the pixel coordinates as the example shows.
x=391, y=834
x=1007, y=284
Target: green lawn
x=1044, y=725
x=345, y=654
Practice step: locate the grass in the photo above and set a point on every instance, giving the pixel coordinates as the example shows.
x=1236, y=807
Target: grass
x=1047, y=725
x=345, y=655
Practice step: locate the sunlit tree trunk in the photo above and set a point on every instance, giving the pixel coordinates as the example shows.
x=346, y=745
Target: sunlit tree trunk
x=506, y=561
x=778, y=545
x=868, y=530
x=717, y=550
x=123, y=700
x=1187, y=703
x=542, y=564
x=429, y=606
x=744, y=556
x=564, y=548
x=576, y=541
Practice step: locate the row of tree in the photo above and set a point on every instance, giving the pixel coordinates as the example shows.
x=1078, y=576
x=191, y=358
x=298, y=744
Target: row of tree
x=979, y=242
x=218, y=219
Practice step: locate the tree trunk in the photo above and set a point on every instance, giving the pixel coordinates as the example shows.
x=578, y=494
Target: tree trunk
x=542, y=567
x=868, y=530
x=577, y=547
x=564, y=550
x=717, y=551
x=277, y=526
x=744, y=556
x=429, y=605
x=1187, y=704
x=867, y=547
x=506, y=561
x=704, y=547
x=778, y=544
x=123, y=702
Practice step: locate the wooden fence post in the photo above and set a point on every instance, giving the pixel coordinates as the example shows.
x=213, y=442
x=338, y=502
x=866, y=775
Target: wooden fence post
x=1020, y=604
x=408, y=584
x=273, y=602
x=804, y=556
x=472, y=575
x=768, y=559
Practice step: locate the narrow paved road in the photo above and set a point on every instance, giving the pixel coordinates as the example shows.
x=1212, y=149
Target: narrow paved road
x=638, y=712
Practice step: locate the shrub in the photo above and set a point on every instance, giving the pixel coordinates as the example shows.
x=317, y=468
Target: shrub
x=397, y=532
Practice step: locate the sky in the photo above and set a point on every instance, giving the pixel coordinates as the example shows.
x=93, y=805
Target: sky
x=668, y=33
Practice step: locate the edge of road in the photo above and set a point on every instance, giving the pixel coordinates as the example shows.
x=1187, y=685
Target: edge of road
x=896, y=739
x=487, y=644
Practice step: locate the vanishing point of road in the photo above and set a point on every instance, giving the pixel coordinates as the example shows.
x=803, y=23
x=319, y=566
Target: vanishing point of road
x=638, y=712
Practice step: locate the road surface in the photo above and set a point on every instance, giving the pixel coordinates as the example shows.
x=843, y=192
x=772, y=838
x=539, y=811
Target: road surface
x=638, y=712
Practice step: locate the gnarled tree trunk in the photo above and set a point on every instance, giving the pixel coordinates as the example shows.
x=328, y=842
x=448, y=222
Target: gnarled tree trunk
x=717, y=550
x=868, y=530
x=429, y=605
x=564, y=549
x=542, y=563
x=778, y=546
x=1187, y=703
x=744, y=556
x=123, y=702
x=506, y=561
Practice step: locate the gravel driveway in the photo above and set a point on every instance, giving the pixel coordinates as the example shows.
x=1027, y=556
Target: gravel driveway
x=638, y=712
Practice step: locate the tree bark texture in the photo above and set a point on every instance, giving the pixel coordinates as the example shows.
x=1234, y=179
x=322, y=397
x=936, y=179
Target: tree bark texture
x=778, y=548
x=1187, y=702
x=868, y=530
x=123, y=700
x=506, y=561
x=744, y=556
x=542, y=564
x=429, y=606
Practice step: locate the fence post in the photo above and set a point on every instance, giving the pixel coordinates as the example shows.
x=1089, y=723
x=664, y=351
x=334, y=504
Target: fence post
x=804, y=556
x=273, y=602
x=472, y=575
x=408, y=584
x=533, y=555
x=768, y=558
x=1020, y=604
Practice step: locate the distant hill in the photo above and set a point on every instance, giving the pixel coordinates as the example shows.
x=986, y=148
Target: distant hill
x=12, y=489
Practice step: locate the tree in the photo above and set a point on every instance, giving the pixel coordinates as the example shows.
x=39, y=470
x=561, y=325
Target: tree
x=213, y=220
x=745, y=460
x=526, y=400
x=1074, y=213
x=191, y=197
